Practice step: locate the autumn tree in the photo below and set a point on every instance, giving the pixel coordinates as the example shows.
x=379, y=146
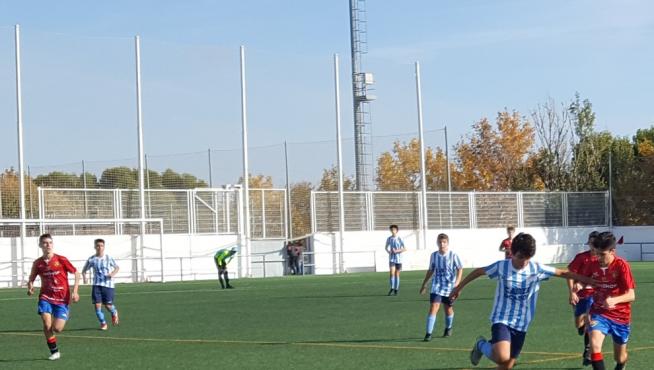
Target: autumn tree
x=329, y=180
x=496, y=158
x=399, y=169
x=10, y=195
x=300, y=199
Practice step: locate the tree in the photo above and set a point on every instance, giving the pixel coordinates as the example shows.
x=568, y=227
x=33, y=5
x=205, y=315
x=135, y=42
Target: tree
x=329, y=180
x=173, y=180
x=300, y=208
x=58, y=179
x=119, y=178
x=495, y=159
x=400, y=168
x=10, y=195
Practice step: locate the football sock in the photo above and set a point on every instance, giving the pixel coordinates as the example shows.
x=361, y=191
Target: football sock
x=52, y=344
x=100, y=315
x=220, y=279
x=113, y=310
x=486, y=348
x=448, y=321
x=393, y=282
x=226, y=278
x=397, y=283
x=431, y=321
x=597, y=361
x=620, y=366
x=586, y=340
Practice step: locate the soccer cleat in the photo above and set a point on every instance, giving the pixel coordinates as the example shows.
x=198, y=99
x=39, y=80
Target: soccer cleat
x=447, y=332
x=54, y=356
x=586, y=358
x=114, y=319
x=230, y=287
x=103, y=326
x=427, y=338
x=476, y=354
x=395, y=292
x=390, y=292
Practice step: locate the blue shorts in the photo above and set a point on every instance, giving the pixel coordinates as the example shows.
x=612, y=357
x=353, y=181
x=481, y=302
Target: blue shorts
x=436, y=298
x=58, y=311
x=102, y=294
x=502, y=332
x=398, y=266
x=619, y=332
x=583, y=306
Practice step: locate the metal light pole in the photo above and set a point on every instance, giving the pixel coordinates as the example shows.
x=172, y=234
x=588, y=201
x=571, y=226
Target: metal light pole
x=423, y=179
x=339, y=160
x=21, y=174
x=246, y=171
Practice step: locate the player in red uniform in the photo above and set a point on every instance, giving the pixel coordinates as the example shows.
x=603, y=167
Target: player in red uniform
x=54, y=295
x=612, y=297
x=505, y=246
x=581, y=297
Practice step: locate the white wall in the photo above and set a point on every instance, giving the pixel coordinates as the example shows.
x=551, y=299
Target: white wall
x=478, y=247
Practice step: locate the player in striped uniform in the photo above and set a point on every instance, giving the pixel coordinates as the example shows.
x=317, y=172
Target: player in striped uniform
x=581, y=296
x=222, y=258
x=394, y=247
x=518, y=282
x=54, y=296
x=446, y=268
x=102, y=293
x=610, y=313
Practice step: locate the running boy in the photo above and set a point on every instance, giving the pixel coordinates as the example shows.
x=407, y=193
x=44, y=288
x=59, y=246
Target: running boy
x=514, y=307
x=394, y=247
x=104, y=269
x=581, y=296
x=612, y=297
x=54, y=296
x=446, y=268
x=505, y=246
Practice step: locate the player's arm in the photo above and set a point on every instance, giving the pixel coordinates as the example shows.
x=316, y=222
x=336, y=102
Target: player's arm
x=502, y=246
x=75, y=294
x=85, y=269
x=459, y=275
x=628, y=297
x=471, y=276
x=30, y=281
x=428, y=276
x=388, y=247
x=402, y=248
x=573, y=297
x=115, y=271
x=564, y=273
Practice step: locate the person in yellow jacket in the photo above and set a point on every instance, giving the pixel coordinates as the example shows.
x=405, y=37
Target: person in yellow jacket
x=222, y=258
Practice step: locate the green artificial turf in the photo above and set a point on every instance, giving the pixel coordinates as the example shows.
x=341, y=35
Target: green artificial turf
x=309, y=322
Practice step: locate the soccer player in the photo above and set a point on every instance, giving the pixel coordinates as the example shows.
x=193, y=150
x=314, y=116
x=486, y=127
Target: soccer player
x=104, y=269
x=610, y=313
x=222, y=258
x=518, y=282
x=581, y=296
x=505, y=246
x=54, y=295
x=446, y=268
x=394, y=247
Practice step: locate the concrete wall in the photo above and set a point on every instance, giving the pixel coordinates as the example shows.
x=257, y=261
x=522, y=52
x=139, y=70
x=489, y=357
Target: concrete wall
x=476, y=248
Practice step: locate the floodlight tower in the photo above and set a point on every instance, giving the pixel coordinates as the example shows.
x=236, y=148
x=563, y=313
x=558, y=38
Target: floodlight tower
x=361, y=86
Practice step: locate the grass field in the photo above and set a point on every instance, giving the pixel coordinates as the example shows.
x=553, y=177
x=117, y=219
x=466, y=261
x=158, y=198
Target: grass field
x=311, y=322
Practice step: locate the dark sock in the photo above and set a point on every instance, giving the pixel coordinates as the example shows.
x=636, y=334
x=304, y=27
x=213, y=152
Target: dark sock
x=52, y=344
x=227, y=278
x=620, y=366
x=582, y=330
x=221, y=282
x=586, y=340
x=597, y=361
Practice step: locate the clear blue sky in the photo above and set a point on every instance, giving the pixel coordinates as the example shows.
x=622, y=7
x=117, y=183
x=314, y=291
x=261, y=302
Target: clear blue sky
x=477, y=58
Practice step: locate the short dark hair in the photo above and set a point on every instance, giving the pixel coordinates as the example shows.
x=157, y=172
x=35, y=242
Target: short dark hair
x=510, y=228
x=393, y=227
x=524, y=245
x=45, y=236
x=605, y=241
x=442, y=236
x=592, y=238
x=96, y=241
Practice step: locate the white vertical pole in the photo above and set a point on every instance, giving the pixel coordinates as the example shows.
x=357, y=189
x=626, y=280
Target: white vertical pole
x=423, y=179
x=246, y=171
x=139, y=123
x=21, y=174
x=449, y=175
x=288, y=216
x=339, y=159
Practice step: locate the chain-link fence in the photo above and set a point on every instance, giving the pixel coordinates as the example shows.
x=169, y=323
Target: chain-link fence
x=378, y=210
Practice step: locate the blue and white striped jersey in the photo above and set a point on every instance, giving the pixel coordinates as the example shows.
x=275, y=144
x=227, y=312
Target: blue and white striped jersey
x=102, y=267
x=395, y=243
x=517, y=292
x=445, y=267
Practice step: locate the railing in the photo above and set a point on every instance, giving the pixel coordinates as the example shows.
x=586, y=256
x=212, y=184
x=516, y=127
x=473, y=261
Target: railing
x=376, y=210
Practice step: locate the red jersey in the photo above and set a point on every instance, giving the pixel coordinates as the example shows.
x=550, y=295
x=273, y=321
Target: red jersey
x=506, y=246
x=54, y=278
x=580, y=265
x=615, y=280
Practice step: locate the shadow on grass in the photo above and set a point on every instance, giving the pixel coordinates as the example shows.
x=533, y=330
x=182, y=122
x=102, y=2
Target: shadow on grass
x=7, y=360
x=41, y=331
x=469, y=367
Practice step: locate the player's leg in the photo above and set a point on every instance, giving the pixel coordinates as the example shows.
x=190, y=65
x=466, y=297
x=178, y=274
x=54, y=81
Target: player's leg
x=620, y=334
x=226, y=273
x=398, y=269
x=599, y=329
x=391, y=270
x=434, y=305
x=449, y=317
x=108, y=302
x=220, y=276
x=620, y=355
x=498, y=349
x=45, y=311
x=96, y=299
x=581, y=322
